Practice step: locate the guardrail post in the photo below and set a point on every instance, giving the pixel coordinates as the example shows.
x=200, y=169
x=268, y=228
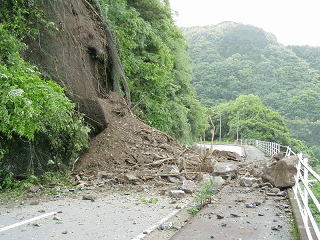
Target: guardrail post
x=305, y=192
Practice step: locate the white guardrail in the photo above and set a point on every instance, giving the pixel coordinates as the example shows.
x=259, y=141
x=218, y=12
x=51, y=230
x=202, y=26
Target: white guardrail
x=302, y=190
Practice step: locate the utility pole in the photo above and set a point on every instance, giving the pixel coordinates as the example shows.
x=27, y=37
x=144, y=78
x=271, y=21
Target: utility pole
x=220, y=129
x=237, y=126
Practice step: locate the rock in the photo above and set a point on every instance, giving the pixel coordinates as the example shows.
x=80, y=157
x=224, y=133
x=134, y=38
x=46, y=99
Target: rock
x=34, y=203
x=218, y=181
x=282, y=173
x=219, y=216
x=104, y=175
x=188, y=186
x=253, y=205
x=278, y=156
x=282, y=194
x=36, y=225
x=234, y=215
x=197, y=147
x=177, y=194
x=34, y=189
x=166, y=226
x=173, y=179
x=225, y=169
x=274, y=190
x=248, y=181
x=256, y=172
x=131, y=178
x=56, y=218
x=92, y=198
x=226, y=155
x=204, y=177
x=260, y=214
x=276, y=228
x=255, y=185
x=65, y=232
x=170, y=169
x=162, y=192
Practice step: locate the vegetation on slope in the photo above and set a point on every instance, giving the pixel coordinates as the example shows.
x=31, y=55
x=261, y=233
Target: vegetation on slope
x=154, y=55
x=233, y=59
x=39, y=128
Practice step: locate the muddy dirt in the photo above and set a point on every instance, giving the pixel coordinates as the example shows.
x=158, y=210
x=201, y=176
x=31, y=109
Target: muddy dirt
x=130, y=146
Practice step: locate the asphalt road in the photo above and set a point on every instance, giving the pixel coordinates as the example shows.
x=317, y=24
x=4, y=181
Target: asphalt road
x=238, y=221
x=113, y=216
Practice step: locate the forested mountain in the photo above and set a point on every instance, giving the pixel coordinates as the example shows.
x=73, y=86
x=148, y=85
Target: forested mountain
x=231, y=59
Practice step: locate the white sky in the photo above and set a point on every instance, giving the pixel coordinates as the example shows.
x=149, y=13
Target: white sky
x=294, y=22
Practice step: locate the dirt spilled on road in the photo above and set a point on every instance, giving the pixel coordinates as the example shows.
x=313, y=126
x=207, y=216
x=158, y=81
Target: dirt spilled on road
x=128, y=145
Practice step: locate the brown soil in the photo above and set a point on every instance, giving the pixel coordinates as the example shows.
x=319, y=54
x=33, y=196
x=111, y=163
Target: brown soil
x=129, y=145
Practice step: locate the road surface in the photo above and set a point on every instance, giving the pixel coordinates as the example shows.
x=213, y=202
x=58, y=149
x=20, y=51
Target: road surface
x=236, y=220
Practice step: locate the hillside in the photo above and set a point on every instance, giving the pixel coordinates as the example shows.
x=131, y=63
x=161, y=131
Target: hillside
x=61, y=73
x=231, y=59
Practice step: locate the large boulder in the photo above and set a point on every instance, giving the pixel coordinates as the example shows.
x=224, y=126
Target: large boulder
x=282, y=173
x=226, y=155
x=225, y=169
x=278, y=156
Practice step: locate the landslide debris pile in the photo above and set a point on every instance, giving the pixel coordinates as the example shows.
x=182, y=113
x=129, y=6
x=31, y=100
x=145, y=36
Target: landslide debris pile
x=128, y=150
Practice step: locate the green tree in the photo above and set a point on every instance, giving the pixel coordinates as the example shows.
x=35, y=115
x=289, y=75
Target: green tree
x=253, y=119
x=154, y=53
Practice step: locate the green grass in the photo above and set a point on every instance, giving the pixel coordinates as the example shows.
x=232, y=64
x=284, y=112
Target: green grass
x=149, y=200
x=15, y=189
x=193, y=210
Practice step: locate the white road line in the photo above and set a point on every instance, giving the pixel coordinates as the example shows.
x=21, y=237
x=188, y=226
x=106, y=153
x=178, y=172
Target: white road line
x=26, y=221
x=152, y=228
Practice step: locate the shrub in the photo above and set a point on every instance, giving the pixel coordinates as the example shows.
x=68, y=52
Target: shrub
x=39, y=127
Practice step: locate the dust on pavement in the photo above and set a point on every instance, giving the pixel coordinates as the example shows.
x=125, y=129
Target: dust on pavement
x=239, y=212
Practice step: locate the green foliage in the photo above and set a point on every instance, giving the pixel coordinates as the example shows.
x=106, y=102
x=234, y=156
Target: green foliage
x=20, y=17
x=232, y=59
x=149, y=200
x=155, y=59
x=205, y=193
x=39, y=128
x=314, y=210
x=193, y=210
x=253, y=119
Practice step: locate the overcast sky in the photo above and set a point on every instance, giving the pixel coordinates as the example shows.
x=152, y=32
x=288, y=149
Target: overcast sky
x=294, y=22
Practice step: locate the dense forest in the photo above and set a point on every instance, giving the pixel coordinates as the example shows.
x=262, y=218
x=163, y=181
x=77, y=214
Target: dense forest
x=154, y=53
x=231, y=59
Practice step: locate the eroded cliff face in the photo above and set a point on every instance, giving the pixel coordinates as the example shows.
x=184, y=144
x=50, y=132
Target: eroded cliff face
x=75, y=56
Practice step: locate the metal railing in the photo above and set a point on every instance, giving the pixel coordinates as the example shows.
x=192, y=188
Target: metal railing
x=304, y=179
